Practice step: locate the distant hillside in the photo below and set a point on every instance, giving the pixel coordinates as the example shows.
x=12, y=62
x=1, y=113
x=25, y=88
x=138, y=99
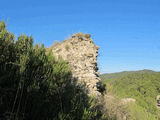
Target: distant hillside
x=112, y=76
x=143, y=86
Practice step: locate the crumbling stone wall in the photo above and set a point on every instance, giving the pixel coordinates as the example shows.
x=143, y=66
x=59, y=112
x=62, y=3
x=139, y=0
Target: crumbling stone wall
x=81, y=54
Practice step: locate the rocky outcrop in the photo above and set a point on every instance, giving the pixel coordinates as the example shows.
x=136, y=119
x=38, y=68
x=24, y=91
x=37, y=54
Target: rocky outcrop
x=127, y=100
x=158, y=101
x=81, y=54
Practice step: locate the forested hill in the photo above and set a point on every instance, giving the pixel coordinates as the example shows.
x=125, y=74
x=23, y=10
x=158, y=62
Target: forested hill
x=112, y=76
x=143, y=86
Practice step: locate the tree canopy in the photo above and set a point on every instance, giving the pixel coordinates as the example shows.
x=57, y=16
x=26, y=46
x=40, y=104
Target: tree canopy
x=35, y=86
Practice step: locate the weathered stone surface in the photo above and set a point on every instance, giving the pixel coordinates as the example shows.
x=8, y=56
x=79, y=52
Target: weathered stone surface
x=127, y=100
x=81, y=54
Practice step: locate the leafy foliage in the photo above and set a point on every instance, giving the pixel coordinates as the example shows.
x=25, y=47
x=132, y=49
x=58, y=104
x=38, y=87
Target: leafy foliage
x=34, y=86
x=101, y=87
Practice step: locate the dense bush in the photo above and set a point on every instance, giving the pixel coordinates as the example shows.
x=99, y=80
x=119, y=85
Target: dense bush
x=101, y=87
x=34, y=86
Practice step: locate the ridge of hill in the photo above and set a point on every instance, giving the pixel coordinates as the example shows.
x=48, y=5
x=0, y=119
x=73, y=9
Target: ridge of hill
x=111, y=76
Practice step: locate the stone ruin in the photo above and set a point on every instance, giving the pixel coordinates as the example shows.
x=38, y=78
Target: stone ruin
x=81, y=54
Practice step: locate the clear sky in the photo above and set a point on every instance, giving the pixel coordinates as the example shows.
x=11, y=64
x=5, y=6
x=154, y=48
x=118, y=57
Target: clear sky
x=127, y=31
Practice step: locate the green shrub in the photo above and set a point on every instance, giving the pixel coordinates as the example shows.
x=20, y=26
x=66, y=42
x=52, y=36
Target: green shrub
x=67, y=47
x=101, y=87
x=34, y=86
x=87, y=35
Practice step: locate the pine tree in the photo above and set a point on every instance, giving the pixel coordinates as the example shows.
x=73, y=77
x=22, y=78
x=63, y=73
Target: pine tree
x=35, y=86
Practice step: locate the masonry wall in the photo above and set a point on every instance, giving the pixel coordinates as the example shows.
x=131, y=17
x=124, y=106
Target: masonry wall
x=81, y=54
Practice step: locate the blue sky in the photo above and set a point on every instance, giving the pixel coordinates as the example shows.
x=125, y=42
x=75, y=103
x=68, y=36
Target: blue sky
x=127, y=31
